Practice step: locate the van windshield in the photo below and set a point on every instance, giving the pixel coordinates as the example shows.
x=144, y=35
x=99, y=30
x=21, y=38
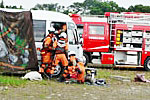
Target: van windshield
x=72, y=34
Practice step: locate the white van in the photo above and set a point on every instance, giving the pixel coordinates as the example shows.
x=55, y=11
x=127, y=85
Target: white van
x=43, y=20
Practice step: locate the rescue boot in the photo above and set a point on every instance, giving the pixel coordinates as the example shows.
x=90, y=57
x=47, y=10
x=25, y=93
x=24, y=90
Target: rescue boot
x=50, y=76
x=42, y=68
x=65, y=67
x=48, y=72
x=61, y=79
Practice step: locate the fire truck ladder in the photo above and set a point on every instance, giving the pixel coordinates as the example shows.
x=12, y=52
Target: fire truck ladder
x=112, y=37
x=142, y=19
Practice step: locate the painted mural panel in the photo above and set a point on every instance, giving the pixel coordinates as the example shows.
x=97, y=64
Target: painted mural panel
x=17, y=46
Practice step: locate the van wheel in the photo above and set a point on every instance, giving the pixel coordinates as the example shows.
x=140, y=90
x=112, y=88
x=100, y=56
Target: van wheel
x=85, y=59
x=57, y=72
x=147, y=64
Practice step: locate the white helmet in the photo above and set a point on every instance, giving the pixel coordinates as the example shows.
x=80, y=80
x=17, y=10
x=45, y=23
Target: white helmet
x=63, y=35
x=72, y=53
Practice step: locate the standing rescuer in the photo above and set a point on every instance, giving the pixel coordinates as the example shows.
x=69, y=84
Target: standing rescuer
x=61, y=48
x=47, y=54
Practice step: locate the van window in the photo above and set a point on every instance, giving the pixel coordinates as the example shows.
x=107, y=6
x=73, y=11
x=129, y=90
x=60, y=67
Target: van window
x=71, y=37
x=71, y=25
x=95, y=29
x=72, y=34
x=39, y=27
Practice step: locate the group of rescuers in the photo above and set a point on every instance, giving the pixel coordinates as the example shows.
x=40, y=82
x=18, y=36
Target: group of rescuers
x=55, y=51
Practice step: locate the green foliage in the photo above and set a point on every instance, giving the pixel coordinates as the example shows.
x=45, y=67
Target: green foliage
x=12, y=7
x=49, y=7
x=96, y=7
x=76, y=7
x=92, y=7
x=2, y=4
x=139, y=8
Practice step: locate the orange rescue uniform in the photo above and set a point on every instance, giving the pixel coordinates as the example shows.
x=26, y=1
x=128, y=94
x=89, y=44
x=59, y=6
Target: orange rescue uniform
x=80, y=76
x=61, y=47
x=76, y=70
x=46, y=54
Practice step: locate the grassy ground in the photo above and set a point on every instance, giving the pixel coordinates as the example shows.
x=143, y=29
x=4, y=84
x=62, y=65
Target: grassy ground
x=11, y=81
x=18, y=89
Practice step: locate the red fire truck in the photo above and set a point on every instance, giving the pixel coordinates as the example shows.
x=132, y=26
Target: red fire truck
x=121, y=39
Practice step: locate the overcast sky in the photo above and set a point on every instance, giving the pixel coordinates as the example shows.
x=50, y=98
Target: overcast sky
x=27, y=4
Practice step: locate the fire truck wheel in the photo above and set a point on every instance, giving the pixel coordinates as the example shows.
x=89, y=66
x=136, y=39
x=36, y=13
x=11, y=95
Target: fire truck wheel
x=147, y=64
x=85, y=58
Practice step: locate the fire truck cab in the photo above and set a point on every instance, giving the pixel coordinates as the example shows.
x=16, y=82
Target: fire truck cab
x=121, y=39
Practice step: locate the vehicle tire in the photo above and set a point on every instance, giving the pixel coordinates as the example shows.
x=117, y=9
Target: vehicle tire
x=85, y=59
x=147, y=64
x=57, y=72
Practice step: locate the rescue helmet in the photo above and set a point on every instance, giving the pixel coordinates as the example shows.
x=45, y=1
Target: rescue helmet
x=63, y=35
x=57, y=26
x=71, y=53
x=51, y=29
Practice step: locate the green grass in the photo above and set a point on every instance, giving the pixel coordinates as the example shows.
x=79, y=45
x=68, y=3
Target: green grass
x=11, y=81
x=103, y=74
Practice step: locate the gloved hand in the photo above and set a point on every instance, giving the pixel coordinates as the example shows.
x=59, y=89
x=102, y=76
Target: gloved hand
x=70, y=64
x=74, y=62
x=78, y=70
x=68, y=76
x=66, y=68
x=53, y=48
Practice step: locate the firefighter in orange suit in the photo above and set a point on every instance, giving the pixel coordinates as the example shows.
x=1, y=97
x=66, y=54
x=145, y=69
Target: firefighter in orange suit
x=79, y=67
x=47, y=54
x=70, y=71
x=61, y=48
x=75, y=69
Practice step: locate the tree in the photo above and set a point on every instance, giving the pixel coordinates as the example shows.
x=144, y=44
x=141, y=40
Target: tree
x=12, y=7
x=139, y=8
x=49, y=7
x=75, y=8
x=95, y=7
x=2, y=4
